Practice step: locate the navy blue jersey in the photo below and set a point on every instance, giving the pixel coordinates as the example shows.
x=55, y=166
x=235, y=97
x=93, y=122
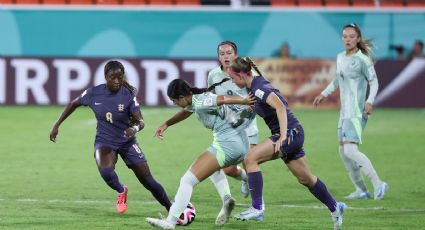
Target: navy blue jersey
x=112, y=110
x=262, y=88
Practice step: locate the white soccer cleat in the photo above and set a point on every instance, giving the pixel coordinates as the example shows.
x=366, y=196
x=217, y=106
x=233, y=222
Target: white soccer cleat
x=358, y=195
x=381, y=190
x=251, y=214
x=337, y=215
x=160, y=223
x=245, y=189
x=226, y=210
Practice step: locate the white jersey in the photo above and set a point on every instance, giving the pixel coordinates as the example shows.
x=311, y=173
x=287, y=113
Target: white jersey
x=353, y=74
x=229, y=88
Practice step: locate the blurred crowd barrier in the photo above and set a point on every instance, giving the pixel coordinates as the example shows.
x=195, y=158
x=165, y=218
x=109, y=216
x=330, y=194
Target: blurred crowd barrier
x=52, y=81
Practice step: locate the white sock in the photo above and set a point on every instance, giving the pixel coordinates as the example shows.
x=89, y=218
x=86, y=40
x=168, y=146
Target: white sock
x=183, y=195
x=353, y=171
x=352, y=152
x=221, y=184
x=243, y=175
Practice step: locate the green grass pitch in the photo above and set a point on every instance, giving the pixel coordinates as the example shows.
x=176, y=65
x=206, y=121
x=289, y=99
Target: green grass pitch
x=57, y=186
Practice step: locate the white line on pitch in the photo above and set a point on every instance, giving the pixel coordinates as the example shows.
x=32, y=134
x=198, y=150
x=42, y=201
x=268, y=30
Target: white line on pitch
x=377, y=208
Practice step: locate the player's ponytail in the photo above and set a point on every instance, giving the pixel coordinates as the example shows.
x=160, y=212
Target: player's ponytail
x=253, y=65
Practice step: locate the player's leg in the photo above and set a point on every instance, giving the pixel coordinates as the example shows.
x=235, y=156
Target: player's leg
x=261, y=153
x=352, y=132
x=301, y=171
x=143, y=174
x=106, y=159
x=204, y=166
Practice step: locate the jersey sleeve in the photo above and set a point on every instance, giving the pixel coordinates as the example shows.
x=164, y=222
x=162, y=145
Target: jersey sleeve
x=262, y=93
x=203, y=101
x=86, y=97
x=134, y=105
x=330, y=88
x=210, y=80
x=370, y=74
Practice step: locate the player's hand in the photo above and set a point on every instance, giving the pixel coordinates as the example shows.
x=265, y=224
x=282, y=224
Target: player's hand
x=318, y=99
x=54, y=133
x=279, y=143
x=130, y=132
x=251, y=99
x=160, y=131
x=368, y=108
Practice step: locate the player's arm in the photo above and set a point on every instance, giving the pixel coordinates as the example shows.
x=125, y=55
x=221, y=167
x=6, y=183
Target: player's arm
x=274, y=101
x=225, y=99
x=373, y=88
x=179, y=116
x=325, y=93
x=136, y=124
x=70, y=108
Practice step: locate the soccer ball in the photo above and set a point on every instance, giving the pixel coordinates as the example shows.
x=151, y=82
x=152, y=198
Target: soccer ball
x=188, y=215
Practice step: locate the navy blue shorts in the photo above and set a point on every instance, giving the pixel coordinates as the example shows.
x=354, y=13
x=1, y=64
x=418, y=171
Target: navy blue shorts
x=293, y=148
x=130, y=152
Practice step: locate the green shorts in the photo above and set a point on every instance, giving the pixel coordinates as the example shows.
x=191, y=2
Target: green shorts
x=231, y=150
x=351, y=129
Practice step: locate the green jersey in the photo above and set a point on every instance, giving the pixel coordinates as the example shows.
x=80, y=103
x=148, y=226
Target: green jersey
x=210, y=115
x=353, y=74
x=229, y=88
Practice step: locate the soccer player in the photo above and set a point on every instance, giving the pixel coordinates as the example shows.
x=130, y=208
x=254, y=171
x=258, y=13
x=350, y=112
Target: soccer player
x=229, y=146
x=354, y=71
x=227, y=51
x=118, y=120
x=286, y=142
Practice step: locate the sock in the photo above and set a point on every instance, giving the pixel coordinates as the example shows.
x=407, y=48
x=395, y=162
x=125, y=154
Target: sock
x=111, y=178
x=255, y=183
x=221, y=184
x=352, y=152
x=242, y=175
x=320, y=191
x=183, y=195
x=353, y=171
x=157, y=191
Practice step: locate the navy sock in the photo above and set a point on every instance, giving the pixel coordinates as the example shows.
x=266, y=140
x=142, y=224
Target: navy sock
x=157, y=191
x=320, y=191
x=111, y=178
x=255, y=182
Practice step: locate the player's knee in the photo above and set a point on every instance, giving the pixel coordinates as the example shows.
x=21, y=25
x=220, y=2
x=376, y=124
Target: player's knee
x=231, y=171
x=107, y=173
x=350, y=150
x=189, y=178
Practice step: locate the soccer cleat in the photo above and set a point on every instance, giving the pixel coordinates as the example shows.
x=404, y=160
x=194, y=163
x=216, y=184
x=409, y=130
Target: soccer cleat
x=358, y=195
x=337, y=215
x=160, y=223
x=381, y=190
x=225, y=212
x=122, y=201
x=251, y=214
x=245, y=189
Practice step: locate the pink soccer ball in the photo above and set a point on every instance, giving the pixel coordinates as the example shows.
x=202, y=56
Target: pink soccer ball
x=188, y=215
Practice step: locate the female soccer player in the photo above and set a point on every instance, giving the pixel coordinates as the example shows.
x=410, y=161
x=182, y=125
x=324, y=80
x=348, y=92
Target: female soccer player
x=227, y=51
x=354, y=71
x=286, y=142
x=229, y=146
x=118, y=120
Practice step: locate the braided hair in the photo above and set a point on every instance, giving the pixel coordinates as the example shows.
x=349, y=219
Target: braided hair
x=245, y=65
x=113, y=64
x=179, y=87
